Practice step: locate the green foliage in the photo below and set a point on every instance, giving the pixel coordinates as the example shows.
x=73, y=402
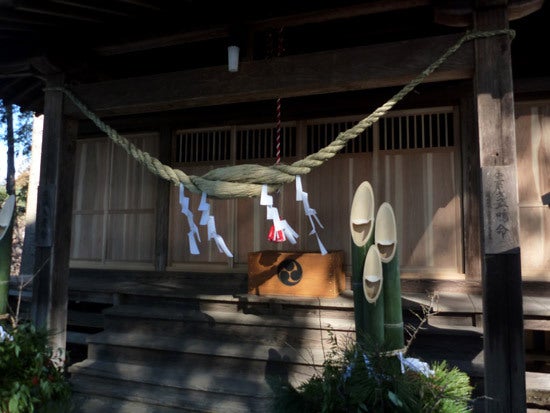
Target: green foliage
x=30, y=380
x=357, y=378
x=21, y=192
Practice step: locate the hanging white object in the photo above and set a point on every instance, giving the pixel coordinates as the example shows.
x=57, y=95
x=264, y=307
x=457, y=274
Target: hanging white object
x=194, y=230
x=233, y=58
x=212, y=234
x=291, y=235
x=209, y=221
x=281, y=230
x=311, y=213
x=265, y=198
x=204, y=207
x=193, y=247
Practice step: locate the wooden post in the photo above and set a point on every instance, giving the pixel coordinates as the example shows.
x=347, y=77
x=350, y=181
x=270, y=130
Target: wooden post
x=29, y=247
x=163, y=203
x=471, y=203
x=53, y=223
x=502, y=294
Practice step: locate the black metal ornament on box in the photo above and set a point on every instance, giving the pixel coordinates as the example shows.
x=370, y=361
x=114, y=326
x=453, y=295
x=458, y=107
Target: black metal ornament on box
x=289, y=272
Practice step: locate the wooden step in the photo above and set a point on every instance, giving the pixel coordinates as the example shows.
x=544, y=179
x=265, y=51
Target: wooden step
x=159, y=398
x=538, y=389
x=141, y=348
x=464, y=351
x=173, y=320
x=94, y=403
x=243, y=382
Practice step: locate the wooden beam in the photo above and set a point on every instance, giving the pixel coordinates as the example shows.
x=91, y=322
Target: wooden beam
x=460, y=13
x=361, y=68
x=53, y=218
x=29, y=19
x=300, y=19
x=504, y=351
x=142, y=3
x=321, y=16
x=31, y=85
x=62, y=12
x=96, y=6
x=162, y=41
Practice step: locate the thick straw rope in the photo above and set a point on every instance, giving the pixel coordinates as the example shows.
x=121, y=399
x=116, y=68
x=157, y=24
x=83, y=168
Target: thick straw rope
x=241, y=181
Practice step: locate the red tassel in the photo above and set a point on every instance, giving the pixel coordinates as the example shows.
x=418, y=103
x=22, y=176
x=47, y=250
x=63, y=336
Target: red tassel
x=278, y=236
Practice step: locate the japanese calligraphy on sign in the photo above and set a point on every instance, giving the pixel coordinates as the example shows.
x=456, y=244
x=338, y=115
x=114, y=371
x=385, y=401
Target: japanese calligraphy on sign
x=500, y=206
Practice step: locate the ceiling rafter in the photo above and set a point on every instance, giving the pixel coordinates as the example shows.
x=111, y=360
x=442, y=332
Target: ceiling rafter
x=143, y=3
x=98, y=6
x=163, y=41
x=321, y=16
x=28, y=18
x=57, y=10
x=28, y=86
x=222, y=31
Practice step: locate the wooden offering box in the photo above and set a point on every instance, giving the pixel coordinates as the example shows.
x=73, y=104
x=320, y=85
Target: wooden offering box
x=305, y=274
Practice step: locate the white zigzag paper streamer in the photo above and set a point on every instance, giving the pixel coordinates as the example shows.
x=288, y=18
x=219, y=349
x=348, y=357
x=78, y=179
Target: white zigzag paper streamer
x=302, y=196
x=273, y=214
x=209, y=221
x=206, y=219
x=194, y=230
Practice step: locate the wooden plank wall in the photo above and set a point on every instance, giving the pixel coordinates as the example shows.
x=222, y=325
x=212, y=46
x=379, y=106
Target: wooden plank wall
x=533, y=157
x=114, y=204
x=424, y=191
x=423, y=185
x=117, y=224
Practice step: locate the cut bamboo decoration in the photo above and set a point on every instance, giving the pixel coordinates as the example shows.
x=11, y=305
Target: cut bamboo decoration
x=385, y=238
x=385, y=234
x=362, y=236
x=6, y=225
x=373, y=282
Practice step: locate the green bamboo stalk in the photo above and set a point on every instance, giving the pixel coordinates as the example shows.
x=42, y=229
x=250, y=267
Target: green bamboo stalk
x=385, y=238
x=6, y=230
x=373, y=285
x=362, y=237
x=393, y=313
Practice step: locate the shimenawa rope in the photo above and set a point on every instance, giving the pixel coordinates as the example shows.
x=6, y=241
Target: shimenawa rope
x=239, y=181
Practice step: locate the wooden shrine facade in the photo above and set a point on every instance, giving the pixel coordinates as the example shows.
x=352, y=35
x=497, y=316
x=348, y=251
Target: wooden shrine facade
x=412, y=158
x=157, y=72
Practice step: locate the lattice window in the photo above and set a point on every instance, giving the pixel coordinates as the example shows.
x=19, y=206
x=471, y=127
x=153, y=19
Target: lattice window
x=432, y=130
x=260, y=142
x=321, y=134
x=203, y=145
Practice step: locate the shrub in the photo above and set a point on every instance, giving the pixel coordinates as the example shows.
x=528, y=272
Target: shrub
x=30, y=380
x=359, y=379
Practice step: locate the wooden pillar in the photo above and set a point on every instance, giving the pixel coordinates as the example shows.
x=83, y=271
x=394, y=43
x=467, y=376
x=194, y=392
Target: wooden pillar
x=471, y=203
x=29, y=247
x=502, y=294
x=163, y=203
x=53, y=218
